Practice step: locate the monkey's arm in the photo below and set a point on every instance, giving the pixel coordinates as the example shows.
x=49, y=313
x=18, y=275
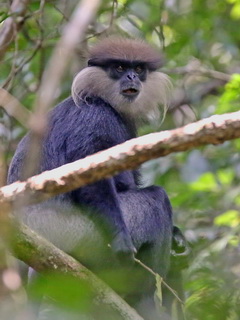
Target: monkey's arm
x=102, y=129
x=103, y=199
x=180, y=249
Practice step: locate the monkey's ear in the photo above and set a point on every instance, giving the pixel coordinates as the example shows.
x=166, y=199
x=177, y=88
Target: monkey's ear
x=95, y=62
x=155, y=64
x=90, y=63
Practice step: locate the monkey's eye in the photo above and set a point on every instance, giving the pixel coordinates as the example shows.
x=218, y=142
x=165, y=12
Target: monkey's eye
x=119, y=68
x=138, y=69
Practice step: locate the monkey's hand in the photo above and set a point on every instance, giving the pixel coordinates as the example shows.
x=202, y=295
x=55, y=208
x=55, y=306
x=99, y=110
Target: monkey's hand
x=181, y=251
x=123, y=247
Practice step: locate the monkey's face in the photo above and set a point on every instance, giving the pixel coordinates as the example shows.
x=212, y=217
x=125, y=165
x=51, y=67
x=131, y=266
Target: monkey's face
x=131, y=87
x=130, y=76
x=123, y=72
x=127, y=75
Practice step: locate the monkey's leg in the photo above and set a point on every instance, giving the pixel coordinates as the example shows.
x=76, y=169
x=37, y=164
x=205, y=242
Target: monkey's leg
x=148, y=217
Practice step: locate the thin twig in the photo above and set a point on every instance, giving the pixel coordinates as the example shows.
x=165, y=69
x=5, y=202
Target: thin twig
x=62, y=13
x=155, y=275
x=12, y=24
x=161, y=33
x=40, y=23
x=113, y=13
x=201, y=71
x=15, y=70
x=110, y=24
x=7, y=83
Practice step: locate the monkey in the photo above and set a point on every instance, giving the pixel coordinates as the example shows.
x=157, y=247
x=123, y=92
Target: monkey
x=119, y=87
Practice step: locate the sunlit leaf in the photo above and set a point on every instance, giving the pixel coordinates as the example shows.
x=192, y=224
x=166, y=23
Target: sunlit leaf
x=226, y=176
x=229, y=101
x=158, y=292
x=229, y=218
x=207, y=182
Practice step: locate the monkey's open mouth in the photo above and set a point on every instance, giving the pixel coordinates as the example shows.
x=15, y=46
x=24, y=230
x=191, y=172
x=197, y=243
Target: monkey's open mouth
x=130, y=92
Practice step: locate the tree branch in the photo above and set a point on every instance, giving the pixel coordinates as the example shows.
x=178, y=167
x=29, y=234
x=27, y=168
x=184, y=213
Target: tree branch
x=191, y=68
x=129, y=155
x=73, y=34
x=27, y=245
x=14, y=108
x=180, y=96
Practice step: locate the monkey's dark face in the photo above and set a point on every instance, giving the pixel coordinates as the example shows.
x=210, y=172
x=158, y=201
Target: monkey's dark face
x=131, y=85
x=130, y=74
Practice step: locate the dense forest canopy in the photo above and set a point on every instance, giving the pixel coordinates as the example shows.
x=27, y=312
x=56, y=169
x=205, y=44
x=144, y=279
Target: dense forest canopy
x=200, y=41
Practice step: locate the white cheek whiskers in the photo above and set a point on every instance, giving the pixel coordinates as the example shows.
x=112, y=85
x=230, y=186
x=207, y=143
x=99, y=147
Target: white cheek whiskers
x=154, y=92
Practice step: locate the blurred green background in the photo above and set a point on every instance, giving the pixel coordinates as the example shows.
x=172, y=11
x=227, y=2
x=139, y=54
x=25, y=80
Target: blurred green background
x=200, y=40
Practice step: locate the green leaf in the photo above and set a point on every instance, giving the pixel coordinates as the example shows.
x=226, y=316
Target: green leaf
x=229, y=101
x=207, y=182
x=76, y=295
x=158, y=292
x=230, y=218
x=226, y=176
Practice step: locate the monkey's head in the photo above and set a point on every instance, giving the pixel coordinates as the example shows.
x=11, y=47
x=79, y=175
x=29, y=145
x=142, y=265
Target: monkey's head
x=123, y=72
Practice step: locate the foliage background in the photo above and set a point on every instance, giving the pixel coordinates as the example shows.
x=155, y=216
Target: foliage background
x=201, y=42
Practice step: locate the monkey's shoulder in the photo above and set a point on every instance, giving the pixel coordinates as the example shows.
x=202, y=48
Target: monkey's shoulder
x=74, y=132
x=82, y=130
x=93, y=110
x=93, y=117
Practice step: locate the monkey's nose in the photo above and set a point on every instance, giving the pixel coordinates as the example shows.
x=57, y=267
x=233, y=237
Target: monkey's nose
x=131, y=75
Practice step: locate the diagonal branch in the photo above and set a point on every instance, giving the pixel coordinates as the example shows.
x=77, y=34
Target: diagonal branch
x=41, y=255
x=129, y=155
x=13, y=107
x=73, y=33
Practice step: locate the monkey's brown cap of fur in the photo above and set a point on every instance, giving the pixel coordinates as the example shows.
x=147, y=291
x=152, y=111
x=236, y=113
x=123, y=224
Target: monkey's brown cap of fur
x=118, y=48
